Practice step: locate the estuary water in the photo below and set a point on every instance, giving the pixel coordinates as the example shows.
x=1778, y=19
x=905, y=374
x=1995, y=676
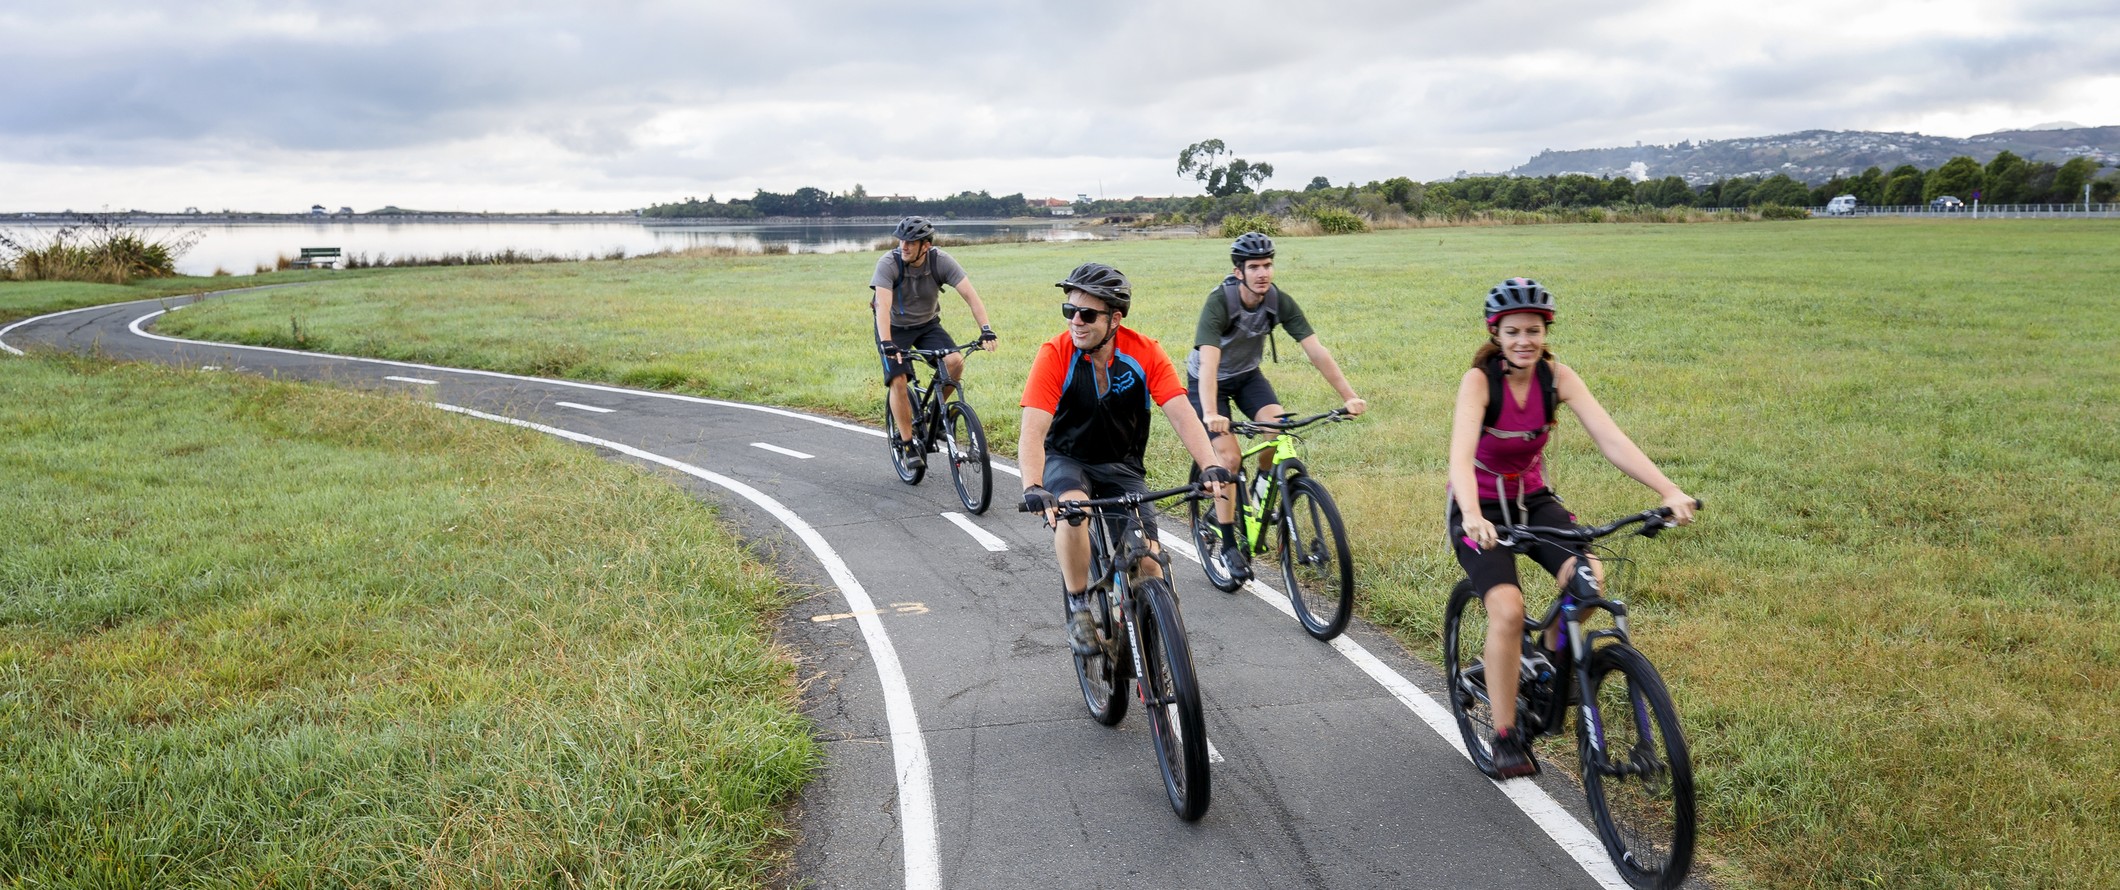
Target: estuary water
x=240, y=248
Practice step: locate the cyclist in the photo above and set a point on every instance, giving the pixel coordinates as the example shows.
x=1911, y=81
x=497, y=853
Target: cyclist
x=908, y=315
x=1224, y=366
x=1086, y=419
x=1505, y=409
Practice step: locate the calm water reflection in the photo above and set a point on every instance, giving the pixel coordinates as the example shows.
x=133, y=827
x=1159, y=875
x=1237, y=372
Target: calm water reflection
x=240, y=249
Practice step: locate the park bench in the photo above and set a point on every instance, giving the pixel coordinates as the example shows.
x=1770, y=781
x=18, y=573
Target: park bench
x=328, y=257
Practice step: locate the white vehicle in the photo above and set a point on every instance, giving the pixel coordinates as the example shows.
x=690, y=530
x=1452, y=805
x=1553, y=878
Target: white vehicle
x=1842, y=205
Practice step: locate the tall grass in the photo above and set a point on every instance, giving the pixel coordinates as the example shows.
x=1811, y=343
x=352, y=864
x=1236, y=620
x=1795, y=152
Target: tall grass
x=92, y=248
x=1895, y=635
x=256, y=634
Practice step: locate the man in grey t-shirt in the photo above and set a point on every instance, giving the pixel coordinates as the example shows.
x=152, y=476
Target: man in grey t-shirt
x=908, y=285
x=1224, y=366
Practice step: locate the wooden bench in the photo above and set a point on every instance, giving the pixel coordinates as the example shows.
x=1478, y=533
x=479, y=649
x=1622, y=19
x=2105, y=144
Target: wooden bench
x=311, y=257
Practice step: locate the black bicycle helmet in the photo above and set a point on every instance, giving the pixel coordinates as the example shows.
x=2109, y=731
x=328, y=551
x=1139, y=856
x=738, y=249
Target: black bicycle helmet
x=1103, y=282
x=915, y=228
x=1518, y=295
x=1250, y=246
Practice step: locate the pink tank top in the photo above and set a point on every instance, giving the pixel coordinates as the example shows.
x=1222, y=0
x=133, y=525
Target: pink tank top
x=1516, y=460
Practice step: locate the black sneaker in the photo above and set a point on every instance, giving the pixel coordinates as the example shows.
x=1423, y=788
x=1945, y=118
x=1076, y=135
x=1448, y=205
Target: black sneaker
x=1081, y=625
x=1512, y=755
x=909, y=454
x=1238, y=564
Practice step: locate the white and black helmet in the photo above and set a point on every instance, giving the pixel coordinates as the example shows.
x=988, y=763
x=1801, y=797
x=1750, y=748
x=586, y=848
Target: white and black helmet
x=1103, y=282
x=1250, y=246
x=1518, y=295
x=915, y=228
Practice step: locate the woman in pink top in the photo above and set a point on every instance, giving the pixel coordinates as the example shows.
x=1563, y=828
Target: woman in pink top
x=1497, y=463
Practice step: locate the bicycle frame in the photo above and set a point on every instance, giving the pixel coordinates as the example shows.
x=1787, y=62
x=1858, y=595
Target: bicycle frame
x=929, y=404
x=1260, y=514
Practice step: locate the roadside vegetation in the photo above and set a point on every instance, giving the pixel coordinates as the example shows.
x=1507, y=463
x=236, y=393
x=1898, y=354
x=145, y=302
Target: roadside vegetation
x=1895, y=634
x=105, y=249
x=261, y=634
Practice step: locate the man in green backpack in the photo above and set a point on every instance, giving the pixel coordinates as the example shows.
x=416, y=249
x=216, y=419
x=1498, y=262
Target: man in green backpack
x=1228, y=343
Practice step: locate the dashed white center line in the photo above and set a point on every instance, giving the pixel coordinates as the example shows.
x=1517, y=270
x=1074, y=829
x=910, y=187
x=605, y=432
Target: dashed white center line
x=1213, y=756
x=578, y=407
x=779, y=450
x=410, y=380
x=985, y=538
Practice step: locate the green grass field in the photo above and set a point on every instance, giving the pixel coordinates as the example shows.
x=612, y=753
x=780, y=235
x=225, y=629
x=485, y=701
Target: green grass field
x=1895, y=634
x=263, y=635
x=24, y=299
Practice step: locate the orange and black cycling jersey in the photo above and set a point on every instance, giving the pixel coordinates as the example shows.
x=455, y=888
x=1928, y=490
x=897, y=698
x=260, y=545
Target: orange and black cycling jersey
x=1101, y=427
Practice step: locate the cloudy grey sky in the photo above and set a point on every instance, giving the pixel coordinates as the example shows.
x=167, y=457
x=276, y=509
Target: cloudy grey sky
x=528, y=106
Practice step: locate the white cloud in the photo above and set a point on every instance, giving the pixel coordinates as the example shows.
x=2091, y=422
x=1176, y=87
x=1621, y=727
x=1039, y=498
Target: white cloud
x=528, y=106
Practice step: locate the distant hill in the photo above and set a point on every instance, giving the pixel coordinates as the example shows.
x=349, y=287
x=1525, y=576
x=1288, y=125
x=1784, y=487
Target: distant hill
x=1814, y=156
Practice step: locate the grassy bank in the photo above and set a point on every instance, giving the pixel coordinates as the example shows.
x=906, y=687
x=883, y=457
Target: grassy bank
x=1895, y=637
x=27, y=299
x=257, y=634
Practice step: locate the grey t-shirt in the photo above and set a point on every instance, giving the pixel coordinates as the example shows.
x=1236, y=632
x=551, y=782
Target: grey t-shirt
x=1242, y=338
x=914, y=296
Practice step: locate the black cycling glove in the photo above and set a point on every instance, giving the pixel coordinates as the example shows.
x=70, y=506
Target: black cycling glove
x=1037, y=500
x=1217, y=473
x=987, y=335
x=891, y=350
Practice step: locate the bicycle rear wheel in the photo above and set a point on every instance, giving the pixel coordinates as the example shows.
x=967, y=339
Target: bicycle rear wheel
x=1464, y=645
x=1103, y=674
x=1170, y=695
x=1315, y=563
x=971, y=471
x=1207, y=537
x=906, y=474
x=1637, y=774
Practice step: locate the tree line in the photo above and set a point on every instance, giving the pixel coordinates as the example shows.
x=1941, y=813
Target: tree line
x=818, y=203
x=2008, y=179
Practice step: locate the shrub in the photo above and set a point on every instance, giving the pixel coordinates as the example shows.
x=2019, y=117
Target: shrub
x=92, y=248
x=1778, y=211
x=1263, y=223
x=1335, y=221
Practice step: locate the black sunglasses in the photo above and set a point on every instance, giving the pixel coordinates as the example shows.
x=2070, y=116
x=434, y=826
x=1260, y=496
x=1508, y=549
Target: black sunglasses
x=1071, y=312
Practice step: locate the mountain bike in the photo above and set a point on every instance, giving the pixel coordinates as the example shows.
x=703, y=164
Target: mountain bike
x=1635, y=769
x=1141, y=638
x=1316, y=566
x=943, y=425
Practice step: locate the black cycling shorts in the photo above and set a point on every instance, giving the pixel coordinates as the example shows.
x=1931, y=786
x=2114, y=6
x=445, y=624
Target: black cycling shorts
x=1249, y=391
x=1064, y=474
x=928, y=335
x=1496, y=566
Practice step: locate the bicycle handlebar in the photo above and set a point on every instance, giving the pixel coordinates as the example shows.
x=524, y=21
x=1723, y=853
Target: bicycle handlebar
x=1084, y=507
x=1521, y=537
x=932, y=354
x=1256, y=427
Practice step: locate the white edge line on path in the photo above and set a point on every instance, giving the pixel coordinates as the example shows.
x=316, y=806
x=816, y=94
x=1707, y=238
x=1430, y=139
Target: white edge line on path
x=985, y=538
x=916, y=795
x=581, y=407
x=779, y=450
x=1543, y=810
x=419, y=380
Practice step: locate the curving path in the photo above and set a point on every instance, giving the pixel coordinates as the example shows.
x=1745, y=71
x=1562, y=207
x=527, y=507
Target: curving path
x=958, y=750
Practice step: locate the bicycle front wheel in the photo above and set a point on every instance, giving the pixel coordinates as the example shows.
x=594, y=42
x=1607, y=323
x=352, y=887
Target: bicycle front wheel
x=970, y=468
x=909, y=475
x=1170, y=694
x=1315, y=563
x=1636, y=770
x=1103, y=674
x=1207, y=537
x=1464, y=645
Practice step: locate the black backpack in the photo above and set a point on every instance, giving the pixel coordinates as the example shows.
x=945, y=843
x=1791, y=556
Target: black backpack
x=1498, y=390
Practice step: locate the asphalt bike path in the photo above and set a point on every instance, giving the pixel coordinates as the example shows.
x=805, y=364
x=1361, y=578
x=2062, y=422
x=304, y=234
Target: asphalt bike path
x=958, y=750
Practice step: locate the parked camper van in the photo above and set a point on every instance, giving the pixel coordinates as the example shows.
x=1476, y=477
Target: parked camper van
x=1842, y=205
